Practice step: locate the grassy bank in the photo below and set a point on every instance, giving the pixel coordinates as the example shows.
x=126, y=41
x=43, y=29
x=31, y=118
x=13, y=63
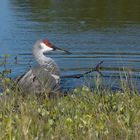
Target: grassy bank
x=84, y=114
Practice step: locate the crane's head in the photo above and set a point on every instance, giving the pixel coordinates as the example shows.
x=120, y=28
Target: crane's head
x=47, y=46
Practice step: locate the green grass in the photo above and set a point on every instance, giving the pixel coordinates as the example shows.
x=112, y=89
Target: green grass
x=82, y=115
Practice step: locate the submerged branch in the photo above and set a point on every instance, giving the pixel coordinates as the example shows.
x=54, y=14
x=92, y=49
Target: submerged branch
x=96, y=68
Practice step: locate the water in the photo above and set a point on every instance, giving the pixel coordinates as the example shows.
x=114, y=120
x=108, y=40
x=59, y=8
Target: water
x=92, y=30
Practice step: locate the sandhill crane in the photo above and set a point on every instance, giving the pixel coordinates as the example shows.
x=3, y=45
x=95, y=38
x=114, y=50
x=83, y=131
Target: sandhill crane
x=45, y=76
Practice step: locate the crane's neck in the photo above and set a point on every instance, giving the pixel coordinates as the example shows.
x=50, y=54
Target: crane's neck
x=41, y=58
x=48, y=63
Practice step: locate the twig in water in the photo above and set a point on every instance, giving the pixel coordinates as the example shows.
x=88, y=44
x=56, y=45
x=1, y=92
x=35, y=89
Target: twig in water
x=97, y=68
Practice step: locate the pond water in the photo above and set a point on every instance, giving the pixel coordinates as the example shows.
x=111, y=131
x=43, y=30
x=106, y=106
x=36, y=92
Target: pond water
x=92, y=30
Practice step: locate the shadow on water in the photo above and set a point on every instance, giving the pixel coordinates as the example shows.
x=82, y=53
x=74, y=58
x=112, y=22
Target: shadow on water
x=92, y=30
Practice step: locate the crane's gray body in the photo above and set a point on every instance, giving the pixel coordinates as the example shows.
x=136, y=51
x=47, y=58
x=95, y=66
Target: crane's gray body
x=42, y=78
x=38, y=80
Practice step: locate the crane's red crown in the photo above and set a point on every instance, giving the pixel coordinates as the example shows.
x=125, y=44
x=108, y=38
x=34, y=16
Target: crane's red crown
x=47, y=43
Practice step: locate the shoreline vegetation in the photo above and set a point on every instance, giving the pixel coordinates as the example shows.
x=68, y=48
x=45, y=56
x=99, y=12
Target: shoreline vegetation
x=85, y=113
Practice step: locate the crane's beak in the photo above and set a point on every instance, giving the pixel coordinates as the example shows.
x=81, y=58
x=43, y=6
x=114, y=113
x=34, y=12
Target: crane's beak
x=59, y=49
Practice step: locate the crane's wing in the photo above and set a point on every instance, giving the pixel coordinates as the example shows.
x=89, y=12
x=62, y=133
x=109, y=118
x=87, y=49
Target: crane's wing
x=38, y=80
x=51, y=67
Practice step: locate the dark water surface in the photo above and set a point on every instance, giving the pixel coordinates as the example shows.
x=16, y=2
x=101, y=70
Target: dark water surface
x=92, y=30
